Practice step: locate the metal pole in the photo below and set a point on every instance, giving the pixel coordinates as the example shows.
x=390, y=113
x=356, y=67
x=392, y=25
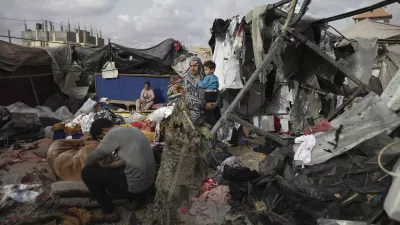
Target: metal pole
x=344, y=104
x=9, y=36
x=258, y=130
x=267, y=60
x=317, y=50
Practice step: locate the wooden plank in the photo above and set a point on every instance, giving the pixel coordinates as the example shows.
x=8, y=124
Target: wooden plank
x=267, y=60
x=317, y=50
x=258, y=130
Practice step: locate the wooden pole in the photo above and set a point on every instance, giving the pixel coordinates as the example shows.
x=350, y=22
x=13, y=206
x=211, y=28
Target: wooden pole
x=9, y=36
x=267, y=60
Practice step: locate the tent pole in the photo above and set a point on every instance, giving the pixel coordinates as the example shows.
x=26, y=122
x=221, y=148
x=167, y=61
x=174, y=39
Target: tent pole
x=267, y=60
x=258, y=130
x=33, y=87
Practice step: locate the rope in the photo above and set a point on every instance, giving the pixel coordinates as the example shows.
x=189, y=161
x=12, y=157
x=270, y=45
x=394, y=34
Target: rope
x=380, y=156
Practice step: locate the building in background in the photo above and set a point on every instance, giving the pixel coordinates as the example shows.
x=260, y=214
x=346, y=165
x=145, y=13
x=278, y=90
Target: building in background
x=46, y=35
x=378, y=15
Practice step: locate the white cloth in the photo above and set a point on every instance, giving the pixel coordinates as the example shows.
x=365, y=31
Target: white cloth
x=339, y=100
x=109, y=71
x=303, y=148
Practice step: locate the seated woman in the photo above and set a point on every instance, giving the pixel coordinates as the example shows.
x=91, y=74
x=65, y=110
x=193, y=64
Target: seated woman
x=146, y=98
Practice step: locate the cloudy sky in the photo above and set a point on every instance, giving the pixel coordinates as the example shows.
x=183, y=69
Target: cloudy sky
x=141, y=23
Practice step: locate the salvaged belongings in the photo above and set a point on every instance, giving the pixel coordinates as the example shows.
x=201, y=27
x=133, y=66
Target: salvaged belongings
x=182, y=168
x=66, y=158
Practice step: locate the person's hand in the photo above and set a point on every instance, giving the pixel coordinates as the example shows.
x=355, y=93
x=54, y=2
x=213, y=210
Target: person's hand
x=210, y=106
x=197, y=78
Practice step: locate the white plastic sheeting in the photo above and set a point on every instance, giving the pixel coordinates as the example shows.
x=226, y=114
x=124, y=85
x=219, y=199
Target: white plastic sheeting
x=365, y=120
x=391, y=95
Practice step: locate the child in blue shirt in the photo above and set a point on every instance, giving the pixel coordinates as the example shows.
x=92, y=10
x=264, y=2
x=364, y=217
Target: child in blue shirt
x=209, y=83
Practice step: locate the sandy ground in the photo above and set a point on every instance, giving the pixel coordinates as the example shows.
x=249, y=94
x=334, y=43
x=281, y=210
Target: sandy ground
x=34, y=163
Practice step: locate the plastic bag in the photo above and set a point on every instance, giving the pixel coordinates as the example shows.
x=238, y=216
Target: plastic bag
x=45, y=111
x=87, y=107
x=63, y=114
x=160, y=114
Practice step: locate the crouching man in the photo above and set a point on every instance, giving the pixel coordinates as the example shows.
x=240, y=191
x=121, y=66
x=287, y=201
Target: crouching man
x=131, y=174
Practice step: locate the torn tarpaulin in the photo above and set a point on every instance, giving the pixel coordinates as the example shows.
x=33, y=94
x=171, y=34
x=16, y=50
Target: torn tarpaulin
x=364, y=121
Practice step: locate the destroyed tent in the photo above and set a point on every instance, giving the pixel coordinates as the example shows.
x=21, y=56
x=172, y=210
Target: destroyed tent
x=309, y=61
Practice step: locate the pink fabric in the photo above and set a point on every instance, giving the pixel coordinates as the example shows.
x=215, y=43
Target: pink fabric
x=219, y=195
x=322, y=126
x=208, y=184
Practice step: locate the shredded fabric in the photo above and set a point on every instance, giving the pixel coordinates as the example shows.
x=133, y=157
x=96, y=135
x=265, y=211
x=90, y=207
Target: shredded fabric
x=219, y=195
x=303, y=148
x=21, y=193
x=232, y=162
x=209, y=212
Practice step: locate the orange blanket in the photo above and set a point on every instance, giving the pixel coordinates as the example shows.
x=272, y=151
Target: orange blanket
x=67, y=158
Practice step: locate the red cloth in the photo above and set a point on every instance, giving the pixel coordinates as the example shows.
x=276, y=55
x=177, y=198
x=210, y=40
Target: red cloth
x=144, y=125
x=277, y=124
x=322, y=126
x=177, y=46
x=208, y=184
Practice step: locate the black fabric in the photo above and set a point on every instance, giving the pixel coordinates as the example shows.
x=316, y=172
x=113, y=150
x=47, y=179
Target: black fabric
x=239, y=174
x=19, y=130
x=49, y=121
x=218, y=29
x=218, y=158
x=210, y=97
x=154, y=60
x=273, y=164
x=98, y=179
x=5, y=116
x=211, y=117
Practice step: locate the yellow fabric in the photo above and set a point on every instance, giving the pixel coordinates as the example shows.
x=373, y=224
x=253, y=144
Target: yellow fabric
x=149, y=135
x=126, y=125
x=67, y=158
x=76, y=216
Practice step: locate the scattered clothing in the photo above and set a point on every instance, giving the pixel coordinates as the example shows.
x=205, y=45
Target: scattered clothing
x=208, y=184
x=219, y=195
x=239, y=174
x=21, y=193
x=107, y=114
x=232, y=162
x=208, y=213
x=303, y=148
x=146, y=100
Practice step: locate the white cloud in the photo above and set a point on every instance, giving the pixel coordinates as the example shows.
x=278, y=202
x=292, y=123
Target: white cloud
x=145, y=22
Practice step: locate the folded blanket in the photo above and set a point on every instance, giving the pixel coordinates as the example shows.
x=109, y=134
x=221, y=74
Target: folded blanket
x=67, y=158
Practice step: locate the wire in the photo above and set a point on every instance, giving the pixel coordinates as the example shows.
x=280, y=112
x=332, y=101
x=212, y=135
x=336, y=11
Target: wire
x=380, y=156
